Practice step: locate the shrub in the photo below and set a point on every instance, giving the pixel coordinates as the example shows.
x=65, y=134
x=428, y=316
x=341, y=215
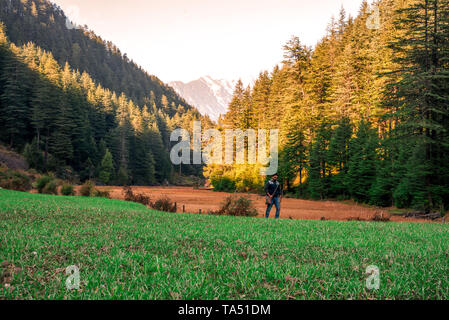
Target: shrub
x=88, y=189
x=139, y=198
x=223, y=184
x=50, y=188
x=248, y=179
x=67, y=190
x=102, y=194
x=164, y=204
x=14, y=180
x=42, y=182
x=237, y=206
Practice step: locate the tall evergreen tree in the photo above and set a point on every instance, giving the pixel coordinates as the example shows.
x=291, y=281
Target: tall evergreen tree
x=362, y=163
x=15, y=111
x=420, y=100
x=107, y=168
x=338, y=157
x=318, y=169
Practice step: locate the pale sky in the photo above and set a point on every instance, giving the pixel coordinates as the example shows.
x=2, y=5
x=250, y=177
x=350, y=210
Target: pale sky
x=186, y=39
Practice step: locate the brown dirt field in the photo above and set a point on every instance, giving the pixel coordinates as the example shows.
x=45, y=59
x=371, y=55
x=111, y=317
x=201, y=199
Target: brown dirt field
x=207, y=200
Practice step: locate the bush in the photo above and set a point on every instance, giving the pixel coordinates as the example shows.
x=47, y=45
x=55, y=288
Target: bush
x=102, y=194
x=50, y=188
x=164, y=204
x=68, y=190
x=14, y=180
x=139, y=198
x=223, y=184
x=88, y=189
x=237, y=207
x=42, y=182
x=241, y=178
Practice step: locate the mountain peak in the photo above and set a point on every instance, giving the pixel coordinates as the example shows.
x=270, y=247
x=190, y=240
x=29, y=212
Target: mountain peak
x=210, y=96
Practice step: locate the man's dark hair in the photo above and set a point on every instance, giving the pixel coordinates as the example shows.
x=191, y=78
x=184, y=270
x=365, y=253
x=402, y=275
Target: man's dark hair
x=275, y=175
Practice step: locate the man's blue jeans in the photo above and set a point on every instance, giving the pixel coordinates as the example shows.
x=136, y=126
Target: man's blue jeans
x=277, y=203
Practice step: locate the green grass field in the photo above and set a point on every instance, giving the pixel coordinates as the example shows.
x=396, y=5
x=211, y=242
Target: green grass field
x=126, y=251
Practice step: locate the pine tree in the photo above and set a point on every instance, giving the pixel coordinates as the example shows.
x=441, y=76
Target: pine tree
x=235, y=109
x=34, y=156
x=318, y=169
x=420, y=100
x=61, y=140
x=122, y=177
x=107, y=168
x=338, y=157
x=163, y=166
x=260, y=100
x=3, y=62
x=15, y=112
x=362, y=163
x=294, y=158
x=89, y=170
x=381, y=193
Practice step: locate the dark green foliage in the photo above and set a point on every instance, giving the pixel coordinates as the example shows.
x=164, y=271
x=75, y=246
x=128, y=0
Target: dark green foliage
x=293, y=157
x=13, y=100
x=67, y=190
x=42, y=182
x=318, y=163
x=142, y=163
x=106, y=168
x=34, y=155
x=223, y=184
x=418, y=104
x=89, y=170
x=122, y=177
x=338, y=157
x=50, y=188
x=381, y=190
x=362, y=162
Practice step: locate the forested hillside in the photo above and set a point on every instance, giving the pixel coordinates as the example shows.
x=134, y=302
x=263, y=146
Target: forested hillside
x=75, y=106
x=362, y=115
x=44, y=24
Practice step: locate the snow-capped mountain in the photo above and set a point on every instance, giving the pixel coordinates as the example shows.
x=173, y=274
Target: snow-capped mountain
x=211, y=97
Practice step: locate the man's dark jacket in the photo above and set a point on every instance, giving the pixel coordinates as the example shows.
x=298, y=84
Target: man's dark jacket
x=270, y=187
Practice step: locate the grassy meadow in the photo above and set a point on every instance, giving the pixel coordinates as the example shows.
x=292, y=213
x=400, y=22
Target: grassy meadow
x=126, y=251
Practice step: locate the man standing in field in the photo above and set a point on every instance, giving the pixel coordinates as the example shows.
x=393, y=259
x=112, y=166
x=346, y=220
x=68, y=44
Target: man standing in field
x=273, y=193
